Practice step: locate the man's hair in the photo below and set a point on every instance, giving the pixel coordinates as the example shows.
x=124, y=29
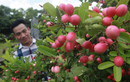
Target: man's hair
x=16, y=23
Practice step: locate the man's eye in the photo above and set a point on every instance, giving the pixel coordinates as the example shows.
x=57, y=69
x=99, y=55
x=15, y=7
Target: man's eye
x=24, y=31
x=18, y=34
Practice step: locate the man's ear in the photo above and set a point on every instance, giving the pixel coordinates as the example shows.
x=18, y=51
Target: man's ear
x=14, y=36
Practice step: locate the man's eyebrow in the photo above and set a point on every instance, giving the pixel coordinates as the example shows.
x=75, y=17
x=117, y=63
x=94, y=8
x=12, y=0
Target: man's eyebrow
x=20, y=32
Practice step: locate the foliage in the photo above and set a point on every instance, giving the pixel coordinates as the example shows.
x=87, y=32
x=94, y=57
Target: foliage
x=2, y=38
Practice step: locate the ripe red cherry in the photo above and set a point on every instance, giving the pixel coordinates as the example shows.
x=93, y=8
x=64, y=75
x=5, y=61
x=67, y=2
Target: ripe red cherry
x=109, y=77
x=65, y=18
x=104, y=11
x=52, y=69
x=58, y=44
x=92, y=55
x=109, y=41
x=28, y=77
x=99, y=60
x=87, y=35
x=111, y=11
x=62, y=6
x=68, y=70
x=78, y=47
x=76, y=78
x=71, y=37
x=69, y=46
x=118, y=61
x=91, y=49
x=122, y=30
x=56, y=69
x=84, y=59
x=102, y=39
x=100, y=48
x=112, y=32
x=54, y=45
x=128, y=72
x=90, y=58
x=86, y=44
x=75, y=19
x=106, y=21
x=96, y=9
x=121, y=10
x=61, y=39
x=69, y=9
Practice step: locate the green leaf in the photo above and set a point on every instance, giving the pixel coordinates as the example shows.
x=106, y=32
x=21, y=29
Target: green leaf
x=116, y=23
x=53, y=27
x=127, y=16
x=123, y=39
x=95, y=28
x=105, y=65
x=46, y=51
x=113, y=53
x=93, y=13
x=122, y=2
x=128, y=53
x=69, y=29
x=112, y=58
x=128, y=60
x=50, y=9
x=80, y=40
x=117, y=73
x=82, y=11
x=58, y=14
x=78, y=70
x=49, y=40
x=59, y=32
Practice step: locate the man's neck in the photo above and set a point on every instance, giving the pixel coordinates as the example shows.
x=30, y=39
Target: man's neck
x=29, y=43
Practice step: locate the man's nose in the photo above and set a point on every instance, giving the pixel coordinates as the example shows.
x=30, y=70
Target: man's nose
x=23, y=35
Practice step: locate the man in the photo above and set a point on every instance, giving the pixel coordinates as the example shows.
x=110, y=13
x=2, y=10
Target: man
x=27, y=44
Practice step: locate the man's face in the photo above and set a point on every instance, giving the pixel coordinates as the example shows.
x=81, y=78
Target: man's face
x=22, y=33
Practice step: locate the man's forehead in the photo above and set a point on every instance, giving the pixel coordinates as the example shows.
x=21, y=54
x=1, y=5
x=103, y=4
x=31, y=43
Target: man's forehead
x=19, y=28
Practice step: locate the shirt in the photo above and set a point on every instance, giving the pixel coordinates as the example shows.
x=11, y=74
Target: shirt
x=27, y=51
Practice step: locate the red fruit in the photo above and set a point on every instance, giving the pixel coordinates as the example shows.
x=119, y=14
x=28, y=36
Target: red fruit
x=69, y=46
x=52, y=69
x=62, y=6
x=109, y=41
x=86, y=44
x=68, y=70
x=57, y=69
x=96, y=9
x=101, y=14
x=78, y=47
x=100, y=48
x=71, y=37
x=44, y=20
x=129, y=69
x=104, y=11
x=76, y=78
x=123, y=72
x=87, y=35
x=28, y=77
x=121, y=10
x=90, y=58
x=54, y=45
x=75, y=19
x=113, y=79
x=84, y=59
x=112, y=32
x=15, y=79
x=102, y=39
x=101, y=1
x=109, y=77
x=106, y=21
x=91, y=49
x=128, y=72
x=99, y=60
x=111, y=11
x=58, y=44
x=69, y=9
x=118, y=61
x=49, y=24
x=112, y=75
x=65, y=18
x=122, y=30
x=61, y=39
x=12, y=78
x=34, y=72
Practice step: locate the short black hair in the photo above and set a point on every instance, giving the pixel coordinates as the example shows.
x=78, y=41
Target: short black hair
x=16, y=23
